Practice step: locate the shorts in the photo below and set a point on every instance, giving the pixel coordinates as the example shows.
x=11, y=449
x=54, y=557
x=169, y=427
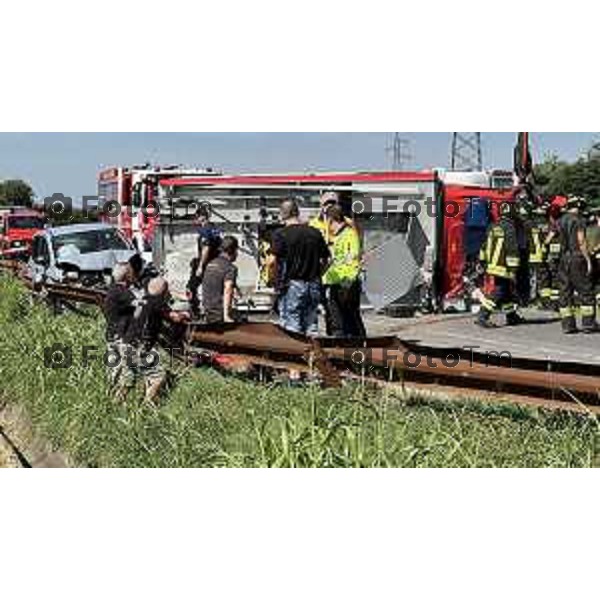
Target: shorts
x=137, y=363
x=299, y=307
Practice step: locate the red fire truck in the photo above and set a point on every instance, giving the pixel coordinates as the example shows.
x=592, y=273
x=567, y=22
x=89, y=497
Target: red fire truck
x=18, y=225
x=126, y=196
x=410, y=263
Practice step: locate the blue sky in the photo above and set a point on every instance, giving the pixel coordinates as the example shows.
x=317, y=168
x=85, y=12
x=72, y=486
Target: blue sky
x=68, y=162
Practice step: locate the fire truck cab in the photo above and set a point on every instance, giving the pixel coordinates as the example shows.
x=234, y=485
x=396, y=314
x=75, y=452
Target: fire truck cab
x=18, y=226
x=127, y=196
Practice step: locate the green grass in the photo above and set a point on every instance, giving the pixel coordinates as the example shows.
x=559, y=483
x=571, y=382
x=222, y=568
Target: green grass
x=213, y=421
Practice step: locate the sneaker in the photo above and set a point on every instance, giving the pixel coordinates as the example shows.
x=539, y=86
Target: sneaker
x=570, y=330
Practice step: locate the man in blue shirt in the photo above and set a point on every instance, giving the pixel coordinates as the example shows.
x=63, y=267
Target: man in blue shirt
x=209, y=246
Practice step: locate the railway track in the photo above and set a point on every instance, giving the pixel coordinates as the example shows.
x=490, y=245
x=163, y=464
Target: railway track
x=262, y=349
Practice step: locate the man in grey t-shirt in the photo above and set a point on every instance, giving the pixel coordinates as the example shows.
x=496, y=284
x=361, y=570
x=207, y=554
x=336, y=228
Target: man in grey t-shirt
x=219, y=284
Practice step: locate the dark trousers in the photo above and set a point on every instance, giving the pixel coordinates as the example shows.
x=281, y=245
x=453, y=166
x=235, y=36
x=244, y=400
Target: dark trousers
x=548, y=285
x=574, y=279
x=524, y=280
x=325, y=293
x=344, y=311
x=503, y=298
x=544, y=281
x=193, y=286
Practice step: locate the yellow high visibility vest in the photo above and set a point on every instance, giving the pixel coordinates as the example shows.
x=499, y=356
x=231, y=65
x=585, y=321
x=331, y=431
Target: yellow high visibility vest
x=346, y=259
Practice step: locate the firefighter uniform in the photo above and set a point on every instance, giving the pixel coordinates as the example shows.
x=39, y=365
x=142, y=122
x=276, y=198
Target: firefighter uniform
x=548, y=284
x=536, y=235
x=522, y=276
x=574, y=278
x=500, y=254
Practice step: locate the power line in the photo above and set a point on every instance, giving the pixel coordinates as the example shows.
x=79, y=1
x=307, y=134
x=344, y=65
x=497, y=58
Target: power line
x=466, y=152
x=400, y=152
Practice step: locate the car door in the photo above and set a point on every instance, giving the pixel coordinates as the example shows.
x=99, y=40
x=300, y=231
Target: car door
x=40, y=262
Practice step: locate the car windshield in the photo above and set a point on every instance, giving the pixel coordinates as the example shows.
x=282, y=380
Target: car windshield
x=26, y=222
x=98, y=240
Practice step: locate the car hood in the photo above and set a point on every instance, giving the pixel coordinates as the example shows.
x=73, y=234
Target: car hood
x=93, y=261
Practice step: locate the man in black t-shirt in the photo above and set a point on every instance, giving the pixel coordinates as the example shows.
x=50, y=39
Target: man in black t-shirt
x=302, y=258
x=142, y=339
x=118, y=303
x=219, y=284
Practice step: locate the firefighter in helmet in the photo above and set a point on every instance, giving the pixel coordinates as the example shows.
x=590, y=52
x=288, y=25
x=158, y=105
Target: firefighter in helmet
x=537, y=231
x=523, y=228
x=500, y=255
x=548, y=283
x=575, y=270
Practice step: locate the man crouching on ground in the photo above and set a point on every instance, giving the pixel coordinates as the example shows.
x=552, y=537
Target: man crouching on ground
x=142, y=340
x=118, y=311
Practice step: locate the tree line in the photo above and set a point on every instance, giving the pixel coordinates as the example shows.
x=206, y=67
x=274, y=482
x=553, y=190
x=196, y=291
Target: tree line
x=16, y=192
x=581, y=178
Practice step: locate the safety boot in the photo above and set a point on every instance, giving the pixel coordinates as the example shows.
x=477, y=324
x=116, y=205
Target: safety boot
x=590, y=328
x=569, y=326
x=484, y=320
x=589, y=323
x=514, y=319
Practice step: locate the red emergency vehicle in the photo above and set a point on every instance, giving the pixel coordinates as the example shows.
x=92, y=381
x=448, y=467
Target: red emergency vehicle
x=17, y=227
x=126, y=196
x=469, y=212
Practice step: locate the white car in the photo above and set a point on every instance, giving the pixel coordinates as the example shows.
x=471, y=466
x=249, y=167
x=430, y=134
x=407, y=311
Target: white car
x=84, y=253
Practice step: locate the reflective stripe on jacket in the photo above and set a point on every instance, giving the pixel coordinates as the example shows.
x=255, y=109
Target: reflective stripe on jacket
x=536, y=245
x=500, y=251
